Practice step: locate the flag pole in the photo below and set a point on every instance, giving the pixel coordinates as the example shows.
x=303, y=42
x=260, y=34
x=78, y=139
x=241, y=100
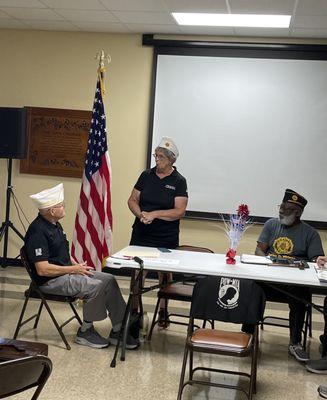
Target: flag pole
x=92, y=237
x=102, y=57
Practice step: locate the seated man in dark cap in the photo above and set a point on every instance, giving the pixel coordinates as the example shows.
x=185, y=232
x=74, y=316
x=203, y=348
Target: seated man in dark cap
x=288, y=236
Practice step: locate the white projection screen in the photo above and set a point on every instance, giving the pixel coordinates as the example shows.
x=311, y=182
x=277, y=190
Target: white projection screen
x=247, y=128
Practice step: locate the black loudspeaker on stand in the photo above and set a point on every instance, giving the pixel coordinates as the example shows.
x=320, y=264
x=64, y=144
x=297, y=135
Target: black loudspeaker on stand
x=12, y=145
x=7, y=224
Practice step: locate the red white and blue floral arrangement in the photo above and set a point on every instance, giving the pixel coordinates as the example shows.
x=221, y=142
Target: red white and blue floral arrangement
x=234, y=229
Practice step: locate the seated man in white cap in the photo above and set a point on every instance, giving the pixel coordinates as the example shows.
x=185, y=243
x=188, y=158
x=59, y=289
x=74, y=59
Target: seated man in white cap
x=56, y=273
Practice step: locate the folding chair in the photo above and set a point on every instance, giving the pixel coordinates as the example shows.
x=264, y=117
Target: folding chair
x=181, y=291
x=24, y=373
x=229, y=300
x=34, y=292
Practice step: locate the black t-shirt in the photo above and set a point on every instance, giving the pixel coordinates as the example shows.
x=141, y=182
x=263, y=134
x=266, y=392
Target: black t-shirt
x=158, y=194
x=45, y=241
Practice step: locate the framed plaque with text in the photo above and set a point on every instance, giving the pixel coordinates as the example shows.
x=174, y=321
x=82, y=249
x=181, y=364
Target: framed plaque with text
x=56, y=141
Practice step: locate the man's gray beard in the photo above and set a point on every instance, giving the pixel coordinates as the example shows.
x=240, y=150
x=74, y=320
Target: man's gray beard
x=288, y=220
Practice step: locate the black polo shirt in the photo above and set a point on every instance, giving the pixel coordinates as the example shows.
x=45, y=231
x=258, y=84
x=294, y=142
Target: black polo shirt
x=158, y=194
x=45, y=241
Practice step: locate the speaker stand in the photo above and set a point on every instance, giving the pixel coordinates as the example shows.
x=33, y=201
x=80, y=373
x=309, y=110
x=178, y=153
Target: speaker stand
x=7, y=224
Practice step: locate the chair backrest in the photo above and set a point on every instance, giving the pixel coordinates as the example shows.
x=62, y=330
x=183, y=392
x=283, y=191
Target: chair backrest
x=27, y=265
x=228, y=299
x=198, y=249
x=24, y=373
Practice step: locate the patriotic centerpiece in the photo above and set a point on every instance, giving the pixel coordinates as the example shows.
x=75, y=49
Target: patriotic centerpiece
x=235, y=228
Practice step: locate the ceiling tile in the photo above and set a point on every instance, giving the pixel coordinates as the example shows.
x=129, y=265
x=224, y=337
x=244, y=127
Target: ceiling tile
x=51, y=25
x=148, y=28
x=75, y=4
x=310, y=21
x=11, y=24
x=311, y=7
x=212, y=6
x=309, y=33
x=144, y=17
x=134, y=5
x=87, y=15
x=207, y=30
x=101, y=27
x=32, y=13
x=4, y=15
x=263, y=32
x=21, y=3
x=153, y=16
x=262, y=6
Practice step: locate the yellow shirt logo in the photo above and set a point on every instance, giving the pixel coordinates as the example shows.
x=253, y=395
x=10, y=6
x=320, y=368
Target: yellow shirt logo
x=283, y=245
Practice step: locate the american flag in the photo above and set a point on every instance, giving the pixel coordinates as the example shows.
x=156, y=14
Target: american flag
x=92, y=238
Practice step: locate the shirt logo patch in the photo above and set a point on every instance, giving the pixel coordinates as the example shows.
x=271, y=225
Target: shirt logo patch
x=229, y=293
x=38, y=252
x=283, y=245
x=170, y=187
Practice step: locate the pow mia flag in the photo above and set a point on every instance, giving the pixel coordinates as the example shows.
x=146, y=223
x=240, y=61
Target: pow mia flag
x=229, y=293
x=228, y=299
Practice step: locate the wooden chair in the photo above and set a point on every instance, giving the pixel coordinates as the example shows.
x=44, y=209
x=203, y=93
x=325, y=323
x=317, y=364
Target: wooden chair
x=176, y=291
x=24, y=373
x=229, y=300
x=34, y=292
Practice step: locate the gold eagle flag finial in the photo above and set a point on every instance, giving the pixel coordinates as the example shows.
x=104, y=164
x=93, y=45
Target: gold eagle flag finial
x=102, y=57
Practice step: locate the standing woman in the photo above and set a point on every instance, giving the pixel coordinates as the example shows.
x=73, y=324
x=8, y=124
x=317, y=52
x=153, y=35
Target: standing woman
x=158, y=201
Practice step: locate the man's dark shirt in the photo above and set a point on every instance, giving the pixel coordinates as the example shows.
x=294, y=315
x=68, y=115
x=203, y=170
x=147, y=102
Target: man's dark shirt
x=300, y=241
x=45, y=241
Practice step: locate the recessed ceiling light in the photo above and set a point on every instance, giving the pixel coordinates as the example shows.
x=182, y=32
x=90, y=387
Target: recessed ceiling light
x=245, y=20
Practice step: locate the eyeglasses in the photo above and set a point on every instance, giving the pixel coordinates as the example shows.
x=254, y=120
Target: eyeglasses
x=159, y=156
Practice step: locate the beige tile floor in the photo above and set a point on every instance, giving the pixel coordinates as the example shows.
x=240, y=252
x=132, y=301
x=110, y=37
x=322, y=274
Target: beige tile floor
x=153, y=371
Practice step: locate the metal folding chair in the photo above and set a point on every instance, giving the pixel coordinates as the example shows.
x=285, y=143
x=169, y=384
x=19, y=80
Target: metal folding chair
x=34, y=292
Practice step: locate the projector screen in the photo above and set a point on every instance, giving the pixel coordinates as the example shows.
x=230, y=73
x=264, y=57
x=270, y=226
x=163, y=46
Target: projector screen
x=247, y=128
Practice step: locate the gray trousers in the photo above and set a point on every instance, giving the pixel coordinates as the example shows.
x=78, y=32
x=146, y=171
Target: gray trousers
x=100, y=292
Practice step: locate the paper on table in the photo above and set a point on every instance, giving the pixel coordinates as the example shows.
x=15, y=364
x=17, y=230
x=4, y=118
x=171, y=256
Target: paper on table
x=252, y=259
x=322, y=275
x=145, y=252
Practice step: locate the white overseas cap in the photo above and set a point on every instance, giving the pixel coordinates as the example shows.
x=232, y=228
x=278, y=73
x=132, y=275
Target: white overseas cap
x=169, y=144
x=49, y=197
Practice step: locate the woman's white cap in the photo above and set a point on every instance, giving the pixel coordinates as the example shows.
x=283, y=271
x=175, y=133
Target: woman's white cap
x=169, y=144
x=49, y=197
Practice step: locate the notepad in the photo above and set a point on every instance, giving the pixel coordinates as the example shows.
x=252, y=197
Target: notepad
x=252, y=259
x=322, y=275
x=142, y=252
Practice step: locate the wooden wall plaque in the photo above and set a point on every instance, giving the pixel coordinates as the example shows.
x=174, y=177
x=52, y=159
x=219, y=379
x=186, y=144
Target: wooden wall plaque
x=56, y=141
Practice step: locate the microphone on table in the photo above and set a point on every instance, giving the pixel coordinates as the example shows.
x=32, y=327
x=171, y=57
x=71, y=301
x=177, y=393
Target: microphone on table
x=139, y=261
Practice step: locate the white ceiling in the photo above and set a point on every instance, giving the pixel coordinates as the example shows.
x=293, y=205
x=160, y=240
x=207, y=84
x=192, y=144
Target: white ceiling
x=309, y=17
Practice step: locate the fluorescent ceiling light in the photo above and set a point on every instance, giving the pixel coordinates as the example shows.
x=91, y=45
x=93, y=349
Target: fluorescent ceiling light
x=247, y=20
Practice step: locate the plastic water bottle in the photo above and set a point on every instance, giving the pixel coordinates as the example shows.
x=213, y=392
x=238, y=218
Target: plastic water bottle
x=145, y=327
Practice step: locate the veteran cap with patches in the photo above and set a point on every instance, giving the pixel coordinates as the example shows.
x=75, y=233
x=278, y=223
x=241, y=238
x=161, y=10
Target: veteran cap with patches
x=294, y=198
x=49, y=197
x=169, y=144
